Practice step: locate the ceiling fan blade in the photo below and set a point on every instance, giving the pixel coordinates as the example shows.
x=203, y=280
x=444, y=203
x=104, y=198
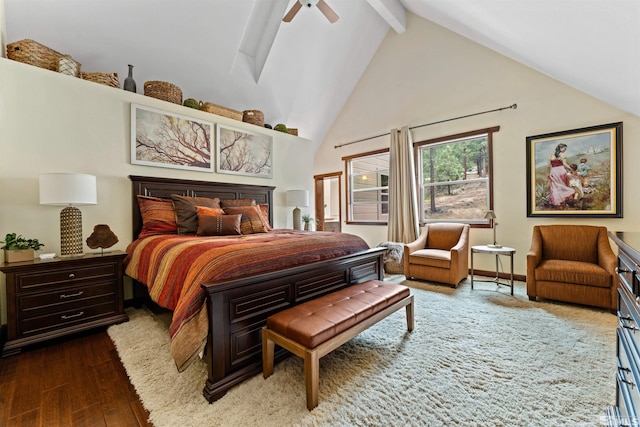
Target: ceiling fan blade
x=327, y=11
x=292, y=12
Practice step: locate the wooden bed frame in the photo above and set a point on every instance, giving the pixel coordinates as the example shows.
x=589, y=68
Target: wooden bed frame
x=238, y=309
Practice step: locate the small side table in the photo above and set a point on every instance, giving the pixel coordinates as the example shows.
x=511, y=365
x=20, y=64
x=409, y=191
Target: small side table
x=484, y=249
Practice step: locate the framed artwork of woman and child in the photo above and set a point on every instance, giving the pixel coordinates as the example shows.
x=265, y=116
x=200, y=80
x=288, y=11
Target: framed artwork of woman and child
x=575, y=173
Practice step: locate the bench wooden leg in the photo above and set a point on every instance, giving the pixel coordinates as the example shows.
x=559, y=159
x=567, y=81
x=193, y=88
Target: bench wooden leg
x=410, y=321
x=312, y=377
x=267, y=354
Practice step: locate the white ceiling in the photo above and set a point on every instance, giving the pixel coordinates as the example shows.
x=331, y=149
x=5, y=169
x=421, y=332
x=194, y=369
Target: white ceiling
x=239, y=54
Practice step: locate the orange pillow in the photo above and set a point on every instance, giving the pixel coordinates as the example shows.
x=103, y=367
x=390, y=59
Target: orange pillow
x=158, y=216
x=208, y=211
x=264, y=215
x=251, y=221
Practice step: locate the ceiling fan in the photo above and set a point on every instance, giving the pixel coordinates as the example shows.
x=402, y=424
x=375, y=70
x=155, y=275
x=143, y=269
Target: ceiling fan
x=321, y=4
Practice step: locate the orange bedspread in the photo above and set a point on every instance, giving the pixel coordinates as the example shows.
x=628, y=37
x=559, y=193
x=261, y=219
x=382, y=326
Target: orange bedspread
x=174, y=266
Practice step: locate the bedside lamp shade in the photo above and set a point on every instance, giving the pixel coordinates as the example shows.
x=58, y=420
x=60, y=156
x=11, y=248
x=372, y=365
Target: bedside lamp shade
x=297, y=198
x=69, y=189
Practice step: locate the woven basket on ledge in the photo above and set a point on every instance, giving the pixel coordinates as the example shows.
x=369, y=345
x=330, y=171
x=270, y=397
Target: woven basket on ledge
x=33, y=53
x=163, y=90
x=255, y=117
x=109, y=79
x=219, y=110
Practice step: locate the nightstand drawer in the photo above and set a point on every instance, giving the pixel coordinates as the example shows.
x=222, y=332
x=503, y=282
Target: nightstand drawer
x=54, y=300
x=65, y=318
x=32, y=281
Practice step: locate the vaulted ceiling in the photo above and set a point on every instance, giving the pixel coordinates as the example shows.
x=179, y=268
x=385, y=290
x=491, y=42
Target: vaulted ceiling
x=239, y=53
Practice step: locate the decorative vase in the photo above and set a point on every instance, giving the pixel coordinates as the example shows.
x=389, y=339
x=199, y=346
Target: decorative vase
x=306, y=226
x=129, y=83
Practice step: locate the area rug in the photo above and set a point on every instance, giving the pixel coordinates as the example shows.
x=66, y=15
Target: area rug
x=478, y=357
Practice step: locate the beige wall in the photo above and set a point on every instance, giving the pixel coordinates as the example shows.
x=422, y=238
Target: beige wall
x=55, y=123
x=429, y=74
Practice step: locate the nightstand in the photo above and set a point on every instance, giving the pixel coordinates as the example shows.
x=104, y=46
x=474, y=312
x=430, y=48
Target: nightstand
x=55, y=297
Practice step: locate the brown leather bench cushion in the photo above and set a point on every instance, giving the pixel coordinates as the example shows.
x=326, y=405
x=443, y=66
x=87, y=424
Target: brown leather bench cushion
x=316, y=321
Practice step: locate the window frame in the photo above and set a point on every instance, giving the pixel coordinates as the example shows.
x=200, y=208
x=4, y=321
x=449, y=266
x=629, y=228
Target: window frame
x=417, y=146
x=348, y=183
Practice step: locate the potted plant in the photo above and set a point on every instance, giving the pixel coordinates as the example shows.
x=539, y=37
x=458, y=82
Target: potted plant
x=307, y=220
x=17, y=248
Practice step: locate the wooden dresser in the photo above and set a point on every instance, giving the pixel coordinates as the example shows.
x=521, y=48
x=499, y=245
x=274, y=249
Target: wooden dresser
x=627, y=409
x=56, y=297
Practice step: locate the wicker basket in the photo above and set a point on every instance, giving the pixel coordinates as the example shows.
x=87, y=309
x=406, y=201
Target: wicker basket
x=163, y=90
x=33, y=53
x=212, y=108
x=108, y=79
x=69, y=66
x=255, y=117
x=292, y=131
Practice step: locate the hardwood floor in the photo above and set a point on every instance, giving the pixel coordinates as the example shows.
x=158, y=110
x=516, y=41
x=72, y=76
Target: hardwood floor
x=78, y=381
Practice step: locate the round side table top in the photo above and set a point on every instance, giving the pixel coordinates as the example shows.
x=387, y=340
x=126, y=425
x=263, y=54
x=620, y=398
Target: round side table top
x=487, y=249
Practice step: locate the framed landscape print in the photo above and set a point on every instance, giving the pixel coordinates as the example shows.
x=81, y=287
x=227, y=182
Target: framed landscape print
x=160, y=138
x=575, y=173
x=241, y=152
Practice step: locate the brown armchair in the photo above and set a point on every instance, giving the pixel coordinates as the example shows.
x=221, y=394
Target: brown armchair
x=440, y=254
x=572, y=263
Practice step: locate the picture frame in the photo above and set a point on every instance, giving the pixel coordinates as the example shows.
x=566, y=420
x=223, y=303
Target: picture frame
x=242, y=152
x=163, y=139
x=575, y=173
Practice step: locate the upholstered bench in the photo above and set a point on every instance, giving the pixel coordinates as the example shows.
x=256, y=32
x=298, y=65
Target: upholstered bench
x=315, y=328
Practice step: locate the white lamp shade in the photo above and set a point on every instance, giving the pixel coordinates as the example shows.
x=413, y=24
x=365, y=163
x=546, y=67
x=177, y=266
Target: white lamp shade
x=297, y=198
x=64, y=189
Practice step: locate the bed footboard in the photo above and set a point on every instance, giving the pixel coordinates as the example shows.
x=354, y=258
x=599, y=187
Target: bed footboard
x=238, y=310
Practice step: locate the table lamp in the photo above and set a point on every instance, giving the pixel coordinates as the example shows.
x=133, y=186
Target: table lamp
x=490, y=215
x=69, y=189
x=297, y=198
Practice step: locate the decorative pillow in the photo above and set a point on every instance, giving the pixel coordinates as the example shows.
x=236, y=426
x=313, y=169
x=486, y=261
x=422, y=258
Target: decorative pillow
x=158, y=216
x=207, y=211
x=219, y=225
x=186, y=215
x=251, y=221
x=232, y=203
x=263, y=211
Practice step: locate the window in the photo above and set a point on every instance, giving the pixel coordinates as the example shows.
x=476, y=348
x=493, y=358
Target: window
x=368, y=187
x=454, y=177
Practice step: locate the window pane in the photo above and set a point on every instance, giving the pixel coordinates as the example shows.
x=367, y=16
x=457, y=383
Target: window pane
x=369, y=188
x=455, y=180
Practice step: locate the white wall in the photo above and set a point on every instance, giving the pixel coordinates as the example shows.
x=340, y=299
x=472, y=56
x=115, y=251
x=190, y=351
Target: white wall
x=55, y=123
x=429, y=74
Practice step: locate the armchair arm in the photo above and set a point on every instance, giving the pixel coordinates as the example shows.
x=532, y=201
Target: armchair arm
x=417, y=244
x=534, y=256
x=606, y=258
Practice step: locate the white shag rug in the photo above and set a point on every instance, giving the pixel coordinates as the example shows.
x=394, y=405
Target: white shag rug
x=475, y=358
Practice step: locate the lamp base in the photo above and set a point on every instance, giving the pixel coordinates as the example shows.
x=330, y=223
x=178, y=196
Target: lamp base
x=297, y=219
x=70, y=231
x=495, y=246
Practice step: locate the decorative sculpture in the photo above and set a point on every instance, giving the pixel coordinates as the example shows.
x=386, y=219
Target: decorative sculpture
x=102, y=237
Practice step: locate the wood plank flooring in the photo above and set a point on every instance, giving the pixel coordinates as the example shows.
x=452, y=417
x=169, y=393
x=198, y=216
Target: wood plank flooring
x=78, y=381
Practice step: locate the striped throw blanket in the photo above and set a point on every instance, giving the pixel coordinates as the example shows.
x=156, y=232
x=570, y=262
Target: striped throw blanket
x=174, y=266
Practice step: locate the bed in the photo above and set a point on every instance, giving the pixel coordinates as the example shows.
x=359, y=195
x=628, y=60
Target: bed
x=236, y=304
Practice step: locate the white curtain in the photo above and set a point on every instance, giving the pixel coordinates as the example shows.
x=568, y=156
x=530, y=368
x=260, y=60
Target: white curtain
x=403, y=205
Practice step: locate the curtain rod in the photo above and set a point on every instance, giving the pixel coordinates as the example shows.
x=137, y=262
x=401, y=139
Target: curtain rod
x=513, y=106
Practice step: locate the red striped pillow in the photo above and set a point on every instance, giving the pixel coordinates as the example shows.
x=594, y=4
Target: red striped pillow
x=158, y=216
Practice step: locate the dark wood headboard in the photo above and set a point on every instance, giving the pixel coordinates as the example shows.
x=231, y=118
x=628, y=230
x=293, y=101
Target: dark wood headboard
x=165, y=187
